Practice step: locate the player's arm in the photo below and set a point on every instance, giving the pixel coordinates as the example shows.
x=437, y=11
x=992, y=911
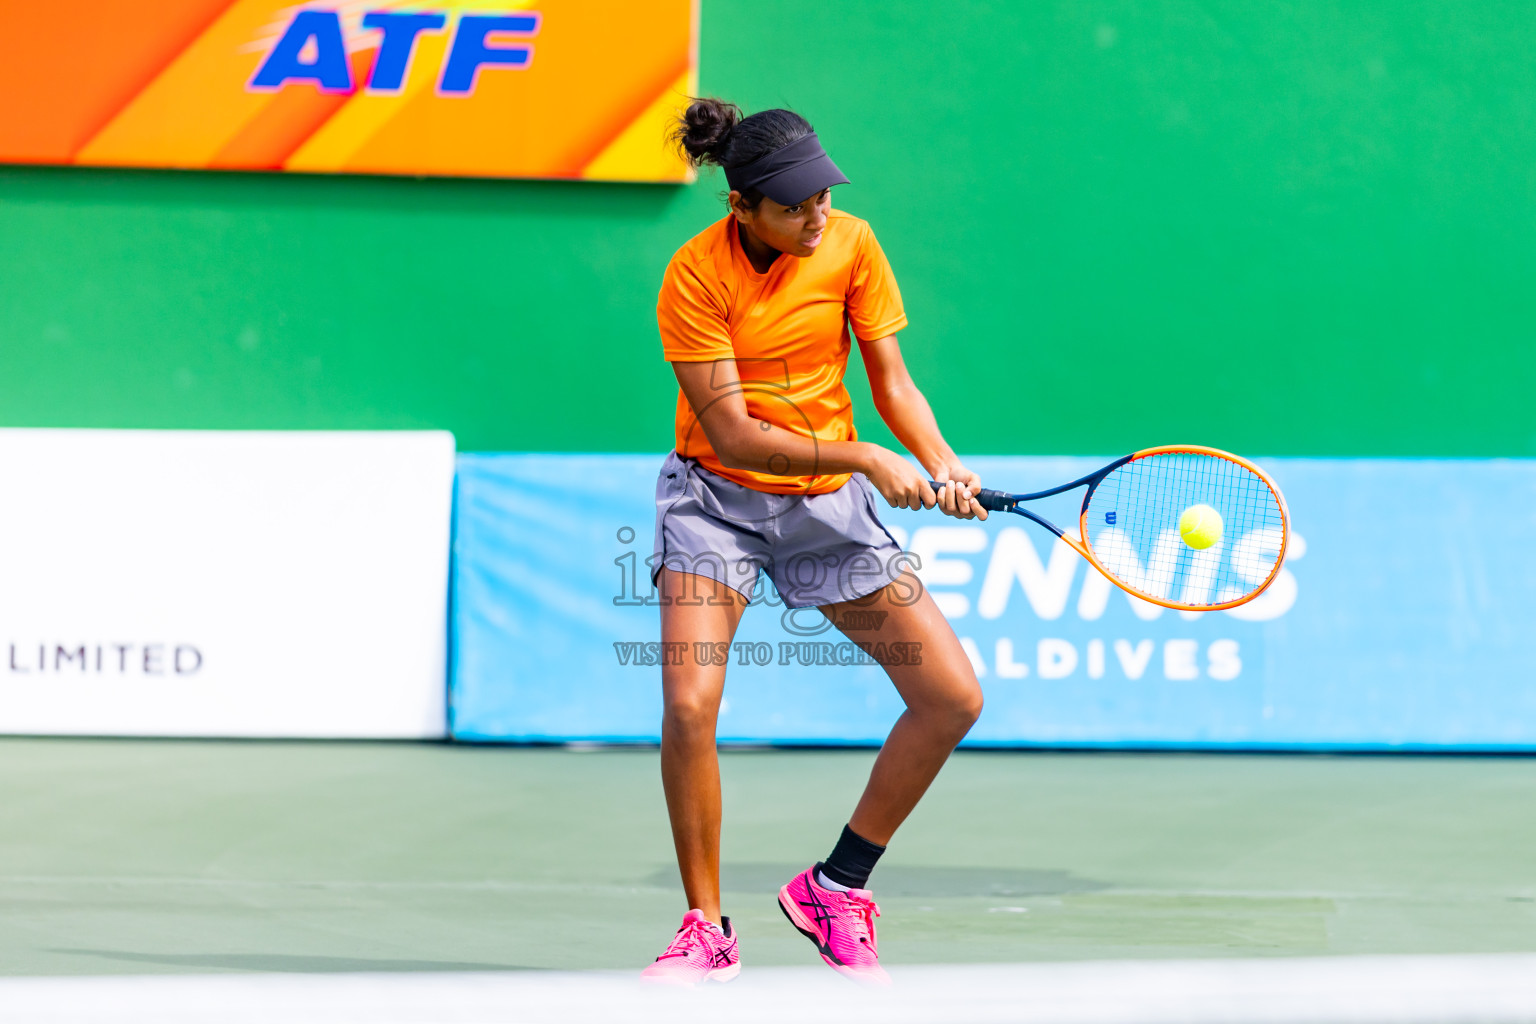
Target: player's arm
x=904, y=409
x=741, y=441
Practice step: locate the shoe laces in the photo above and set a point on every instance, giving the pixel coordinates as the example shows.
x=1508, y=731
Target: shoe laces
x=689, y=936
x=865, y=910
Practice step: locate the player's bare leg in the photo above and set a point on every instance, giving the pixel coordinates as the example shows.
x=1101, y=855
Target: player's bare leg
x=697, y=610
x=829, y=902
x=940, y=690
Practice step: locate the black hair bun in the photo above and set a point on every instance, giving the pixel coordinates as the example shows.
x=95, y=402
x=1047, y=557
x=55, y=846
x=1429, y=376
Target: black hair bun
x=705, y=129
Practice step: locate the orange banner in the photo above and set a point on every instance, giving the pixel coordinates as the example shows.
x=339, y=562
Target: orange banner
x=552, y=89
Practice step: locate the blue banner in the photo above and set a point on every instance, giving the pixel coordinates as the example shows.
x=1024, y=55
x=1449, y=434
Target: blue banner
x=1403, y=618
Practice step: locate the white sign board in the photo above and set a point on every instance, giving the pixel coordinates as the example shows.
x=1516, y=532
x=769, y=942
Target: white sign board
x=206, y=583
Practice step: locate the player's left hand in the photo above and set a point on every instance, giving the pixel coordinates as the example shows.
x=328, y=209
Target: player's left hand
x=955, y=497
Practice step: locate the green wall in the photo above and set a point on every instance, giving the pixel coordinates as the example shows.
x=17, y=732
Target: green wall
x=1288, y=228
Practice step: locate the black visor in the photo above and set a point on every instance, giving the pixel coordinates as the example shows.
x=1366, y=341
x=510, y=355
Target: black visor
x=790, y=174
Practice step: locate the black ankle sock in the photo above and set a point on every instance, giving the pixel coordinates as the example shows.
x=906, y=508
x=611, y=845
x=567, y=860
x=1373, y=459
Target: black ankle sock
x=852, y=859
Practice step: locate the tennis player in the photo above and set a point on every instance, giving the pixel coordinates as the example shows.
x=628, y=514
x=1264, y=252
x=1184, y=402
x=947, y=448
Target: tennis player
x=768, y=476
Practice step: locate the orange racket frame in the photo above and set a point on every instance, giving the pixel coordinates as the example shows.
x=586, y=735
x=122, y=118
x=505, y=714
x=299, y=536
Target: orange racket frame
x=1001, y=501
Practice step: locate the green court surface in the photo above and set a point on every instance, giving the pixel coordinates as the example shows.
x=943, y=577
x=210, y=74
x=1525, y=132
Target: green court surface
x=127, y=856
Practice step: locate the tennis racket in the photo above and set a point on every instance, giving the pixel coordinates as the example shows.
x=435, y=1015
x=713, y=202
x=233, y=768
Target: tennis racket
x=1128, y=528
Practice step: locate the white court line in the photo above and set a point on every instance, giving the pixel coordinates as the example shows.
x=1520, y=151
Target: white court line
x=1503, y=893
x=1485, y=989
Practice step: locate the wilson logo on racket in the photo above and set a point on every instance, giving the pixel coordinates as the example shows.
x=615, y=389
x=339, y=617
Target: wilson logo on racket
x=1208, y=529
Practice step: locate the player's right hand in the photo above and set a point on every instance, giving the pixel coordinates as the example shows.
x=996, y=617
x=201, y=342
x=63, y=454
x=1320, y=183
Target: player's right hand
x=899, y=482
x=957, y=493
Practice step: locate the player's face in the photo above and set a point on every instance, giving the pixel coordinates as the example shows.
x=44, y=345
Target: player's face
x=793, y=229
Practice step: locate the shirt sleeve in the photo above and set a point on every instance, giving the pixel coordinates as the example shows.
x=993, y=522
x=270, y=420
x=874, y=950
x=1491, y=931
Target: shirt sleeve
x=874, y=302
x=691, y=317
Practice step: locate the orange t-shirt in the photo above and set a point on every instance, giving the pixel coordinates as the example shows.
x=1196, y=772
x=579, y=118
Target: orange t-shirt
x=786, y=329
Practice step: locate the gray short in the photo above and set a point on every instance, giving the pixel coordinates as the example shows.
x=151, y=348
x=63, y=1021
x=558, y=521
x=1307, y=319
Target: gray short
x=817, y=548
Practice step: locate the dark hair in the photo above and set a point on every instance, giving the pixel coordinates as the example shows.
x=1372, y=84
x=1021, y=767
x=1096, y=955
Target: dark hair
x=713, y=131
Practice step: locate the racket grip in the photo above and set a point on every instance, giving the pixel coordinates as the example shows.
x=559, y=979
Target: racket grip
x=992, y=501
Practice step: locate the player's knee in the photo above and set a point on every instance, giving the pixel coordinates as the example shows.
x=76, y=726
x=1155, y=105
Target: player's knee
x=954, y=715
x=964, y=709
x=970, y=706
x=687, y=716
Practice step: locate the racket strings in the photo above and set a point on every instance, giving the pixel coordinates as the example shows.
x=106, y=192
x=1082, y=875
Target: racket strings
x=1132, y=526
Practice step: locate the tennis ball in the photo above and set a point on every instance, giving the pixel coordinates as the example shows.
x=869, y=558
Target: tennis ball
x=1200, y=526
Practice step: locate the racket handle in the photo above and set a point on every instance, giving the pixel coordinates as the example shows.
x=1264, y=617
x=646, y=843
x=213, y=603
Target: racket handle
x=992, y=501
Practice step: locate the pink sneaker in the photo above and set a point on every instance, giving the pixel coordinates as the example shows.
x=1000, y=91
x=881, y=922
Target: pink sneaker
x=699, y=952
x=841, y=924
